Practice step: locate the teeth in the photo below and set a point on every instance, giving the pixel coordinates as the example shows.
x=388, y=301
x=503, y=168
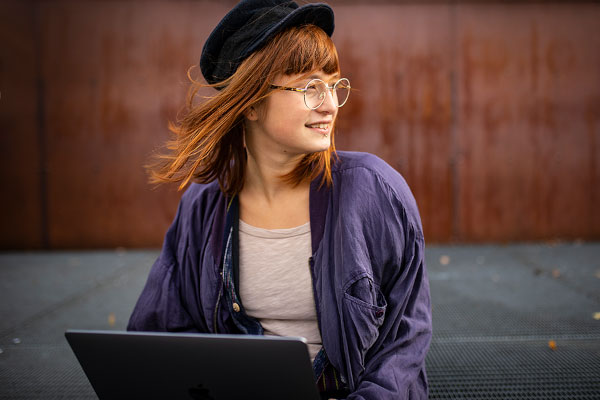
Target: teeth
x=320, y=126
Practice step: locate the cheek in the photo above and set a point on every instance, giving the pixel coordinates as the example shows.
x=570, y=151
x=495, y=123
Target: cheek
x=287, y=117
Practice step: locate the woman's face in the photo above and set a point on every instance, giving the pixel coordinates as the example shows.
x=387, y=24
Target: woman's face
x=282, y=123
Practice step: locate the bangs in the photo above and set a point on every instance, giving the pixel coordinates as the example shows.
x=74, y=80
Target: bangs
x=304, y=49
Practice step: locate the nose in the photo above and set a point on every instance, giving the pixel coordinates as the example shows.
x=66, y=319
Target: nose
x=329, y=104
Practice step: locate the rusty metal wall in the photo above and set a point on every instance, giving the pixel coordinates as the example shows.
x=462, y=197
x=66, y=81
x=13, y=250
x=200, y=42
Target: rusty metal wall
x=20, y=147
x=491, y=111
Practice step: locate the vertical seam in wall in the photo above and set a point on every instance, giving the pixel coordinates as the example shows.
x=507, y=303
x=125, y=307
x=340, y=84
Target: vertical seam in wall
x=455, y=157
x=41, y=128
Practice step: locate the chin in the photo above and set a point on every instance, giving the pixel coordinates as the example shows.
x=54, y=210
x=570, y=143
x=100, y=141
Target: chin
x=324, y=146
x=314, y=146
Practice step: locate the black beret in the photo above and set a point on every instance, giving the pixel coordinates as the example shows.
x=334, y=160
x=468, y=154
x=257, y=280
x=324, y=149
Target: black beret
x=249, y=26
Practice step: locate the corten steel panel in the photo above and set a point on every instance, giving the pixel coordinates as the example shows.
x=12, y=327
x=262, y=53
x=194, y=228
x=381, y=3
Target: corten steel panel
x=418, y=145
x=115, y=73
x=20, y=147
x=529, y=121
x=399, y=60
x=491, y=112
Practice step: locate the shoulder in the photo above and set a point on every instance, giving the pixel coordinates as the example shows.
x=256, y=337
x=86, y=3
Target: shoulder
x=198, y=204
x=198, y=193
x=366, y=168
x=366, y=164
x=365, y=178
x=198, y=207
x=356, y=159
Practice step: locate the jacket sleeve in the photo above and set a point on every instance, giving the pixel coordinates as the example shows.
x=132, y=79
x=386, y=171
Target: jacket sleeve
x=160, y=307
x=395, y=366
x=400, y=330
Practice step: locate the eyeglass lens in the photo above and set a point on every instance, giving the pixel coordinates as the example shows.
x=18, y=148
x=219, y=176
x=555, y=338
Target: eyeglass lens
x=316, y=92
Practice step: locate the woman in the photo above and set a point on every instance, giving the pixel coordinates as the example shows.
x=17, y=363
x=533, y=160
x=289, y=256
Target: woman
x=280, y=234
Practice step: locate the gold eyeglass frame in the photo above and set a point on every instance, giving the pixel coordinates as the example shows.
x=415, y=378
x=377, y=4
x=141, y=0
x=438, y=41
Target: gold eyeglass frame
x=305, y=89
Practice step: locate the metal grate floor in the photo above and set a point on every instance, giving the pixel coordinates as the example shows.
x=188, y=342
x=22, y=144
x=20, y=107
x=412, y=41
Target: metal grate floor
x=495, y=309
x=515, y=370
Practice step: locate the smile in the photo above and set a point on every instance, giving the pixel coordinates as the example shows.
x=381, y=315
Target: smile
x=321, y=127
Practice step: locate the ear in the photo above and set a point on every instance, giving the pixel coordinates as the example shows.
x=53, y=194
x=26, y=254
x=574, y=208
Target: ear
x=251, y=113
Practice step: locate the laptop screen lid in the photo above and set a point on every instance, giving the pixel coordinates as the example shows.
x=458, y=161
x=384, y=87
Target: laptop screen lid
x=127, y=365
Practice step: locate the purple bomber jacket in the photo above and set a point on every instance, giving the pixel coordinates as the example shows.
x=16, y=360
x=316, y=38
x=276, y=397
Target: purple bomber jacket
x=369, y=276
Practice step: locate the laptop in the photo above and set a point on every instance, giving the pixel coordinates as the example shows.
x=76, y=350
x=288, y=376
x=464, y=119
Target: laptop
x=144, y=365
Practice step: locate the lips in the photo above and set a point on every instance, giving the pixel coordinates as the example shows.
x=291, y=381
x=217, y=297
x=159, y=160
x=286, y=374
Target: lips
x=319, y=125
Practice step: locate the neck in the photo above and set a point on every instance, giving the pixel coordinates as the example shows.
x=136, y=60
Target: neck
x=263, y=175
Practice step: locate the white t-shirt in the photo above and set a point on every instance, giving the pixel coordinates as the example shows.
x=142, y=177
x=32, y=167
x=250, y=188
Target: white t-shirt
x=275, y=281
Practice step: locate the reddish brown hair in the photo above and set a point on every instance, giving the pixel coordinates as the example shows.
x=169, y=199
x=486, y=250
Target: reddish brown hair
x=209, y=137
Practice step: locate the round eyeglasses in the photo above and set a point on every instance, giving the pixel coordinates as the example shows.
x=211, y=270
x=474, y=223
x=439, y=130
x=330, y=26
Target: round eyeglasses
x=315, y=92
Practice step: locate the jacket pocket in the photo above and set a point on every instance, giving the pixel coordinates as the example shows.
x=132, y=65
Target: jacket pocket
x=364, y=312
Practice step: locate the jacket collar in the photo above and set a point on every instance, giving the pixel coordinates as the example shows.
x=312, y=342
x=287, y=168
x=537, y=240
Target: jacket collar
x=218, y=230
x=318, y=199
